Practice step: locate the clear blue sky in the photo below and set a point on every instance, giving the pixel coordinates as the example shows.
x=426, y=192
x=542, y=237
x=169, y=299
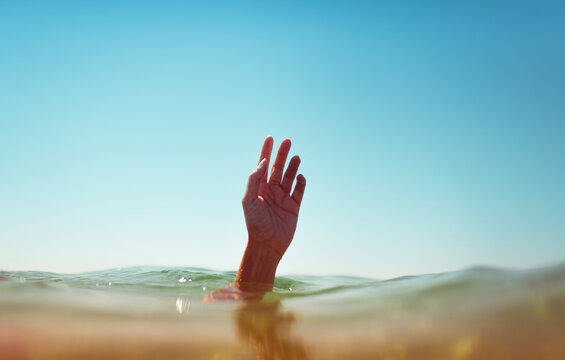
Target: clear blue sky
x=432, y=134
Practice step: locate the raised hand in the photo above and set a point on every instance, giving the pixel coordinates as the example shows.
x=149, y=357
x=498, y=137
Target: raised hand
x=271, y=213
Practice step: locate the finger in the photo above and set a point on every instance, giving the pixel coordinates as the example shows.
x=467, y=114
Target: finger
x=278, y=166
x=290, y=174
x=255, y=181
x=299, y=189
x=266, y=154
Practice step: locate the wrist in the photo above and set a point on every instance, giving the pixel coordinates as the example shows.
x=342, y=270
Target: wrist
x=258, y=267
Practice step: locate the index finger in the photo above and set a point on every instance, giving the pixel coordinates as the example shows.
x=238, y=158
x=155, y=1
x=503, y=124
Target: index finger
x=266, y=154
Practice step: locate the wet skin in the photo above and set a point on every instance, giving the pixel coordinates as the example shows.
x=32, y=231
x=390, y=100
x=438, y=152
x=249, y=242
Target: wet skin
x=271, y=212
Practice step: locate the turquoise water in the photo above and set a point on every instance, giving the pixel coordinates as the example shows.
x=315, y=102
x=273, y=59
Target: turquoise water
x=158, y=312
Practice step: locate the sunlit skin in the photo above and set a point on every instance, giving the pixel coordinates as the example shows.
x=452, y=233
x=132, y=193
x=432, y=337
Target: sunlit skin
x=271, y=210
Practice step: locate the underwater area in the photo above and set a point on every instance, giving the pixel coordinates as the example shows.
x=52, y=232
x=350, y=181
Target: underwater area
x=159, y=313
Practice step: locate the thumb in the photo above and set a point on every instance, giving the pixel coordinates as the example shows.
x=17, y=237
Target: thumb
x=255, y=181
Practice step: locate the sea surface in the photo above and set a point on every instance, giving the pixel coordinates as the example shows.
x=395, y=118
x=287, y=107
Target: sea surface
x=159, y=313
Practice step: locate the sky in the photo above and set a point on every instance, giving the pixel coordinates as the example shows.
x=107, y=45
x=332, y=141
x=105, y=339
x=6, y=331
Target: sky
x=432, y=134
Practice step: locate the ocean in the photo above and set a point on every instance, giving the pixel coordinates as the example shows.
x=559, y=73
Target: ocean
x=158, y=313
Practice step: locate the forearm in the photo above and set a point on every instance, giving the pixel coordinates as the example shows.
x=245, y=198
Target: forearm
x=255, y=277
x=258, y=267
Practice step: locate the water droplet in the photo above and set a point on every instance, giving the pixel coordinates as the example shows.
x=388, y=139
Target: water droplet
x=289, y=289
x=182, y=279
x=204, y=288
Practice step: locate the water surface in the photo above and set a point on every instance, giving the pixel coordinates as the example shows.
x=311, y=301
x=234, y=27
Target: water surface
x=158, y=312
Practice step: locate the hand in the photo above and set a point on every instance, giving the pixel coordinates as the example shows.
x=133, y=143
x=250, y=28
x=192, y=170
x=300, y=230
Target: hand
x=270, y=214
x=270, y=211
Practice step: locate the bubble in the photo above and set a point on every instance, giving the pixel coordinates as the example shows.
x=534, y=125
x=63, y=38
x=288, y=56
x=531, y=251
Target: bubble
x=110, y=284
x=204, y=288
x=182, y=279
x=189, y=279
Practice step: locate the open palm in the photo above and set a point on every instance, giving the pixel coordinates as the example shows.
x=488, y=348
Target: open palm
x=271, y=212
